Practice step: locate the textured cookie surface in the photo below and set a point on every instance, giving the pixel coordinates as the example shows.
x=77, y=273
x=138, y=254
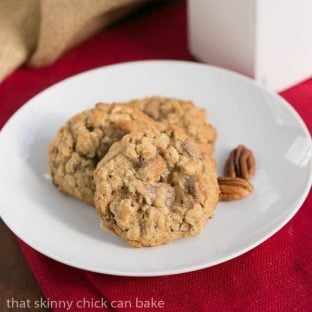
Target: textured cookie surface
x=183, y=114
x=82, y=142
x=154, y=186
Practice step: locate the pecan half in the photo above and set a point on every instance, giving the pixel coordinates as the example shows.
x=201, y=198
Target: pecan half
x=233, y=188
x=241, y=163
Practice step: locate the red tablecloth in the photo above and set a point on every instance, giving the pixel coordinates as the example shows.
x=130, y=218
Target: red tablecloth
x=276, y=276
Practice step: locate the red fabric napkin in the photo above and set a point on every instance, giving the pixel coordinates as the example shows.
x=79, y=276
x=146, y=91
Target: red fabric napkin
x=276, y=276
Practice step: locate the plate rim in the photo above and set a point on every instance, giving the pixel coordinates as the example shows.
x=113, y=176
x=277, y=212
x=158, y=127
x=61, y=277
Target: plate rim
x=242, y=251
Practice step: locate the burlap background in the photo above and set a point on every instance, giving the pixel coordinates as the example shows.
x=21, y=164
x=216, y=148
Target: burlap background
x=39, y=31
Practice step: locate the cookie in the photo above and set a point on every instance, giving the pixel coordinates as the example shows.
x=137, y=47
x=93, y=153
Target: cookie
x=82, y=142
x=183, y=114
x=155, y=186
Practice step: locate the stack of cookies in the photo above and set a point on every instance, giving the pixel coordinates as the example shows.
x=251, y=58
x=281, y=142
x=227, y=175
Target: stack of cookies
x=146, y=166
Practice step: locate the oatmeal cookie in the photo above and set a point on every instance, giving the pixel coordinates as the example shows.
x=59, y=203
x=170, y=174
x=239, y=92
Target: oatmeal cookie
x=183, y=114
x=154, y=186
x=82, y=142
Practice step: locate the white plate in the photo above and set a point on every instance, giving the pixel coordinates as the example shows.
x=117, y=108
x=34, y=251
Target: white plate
x=68, y=230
